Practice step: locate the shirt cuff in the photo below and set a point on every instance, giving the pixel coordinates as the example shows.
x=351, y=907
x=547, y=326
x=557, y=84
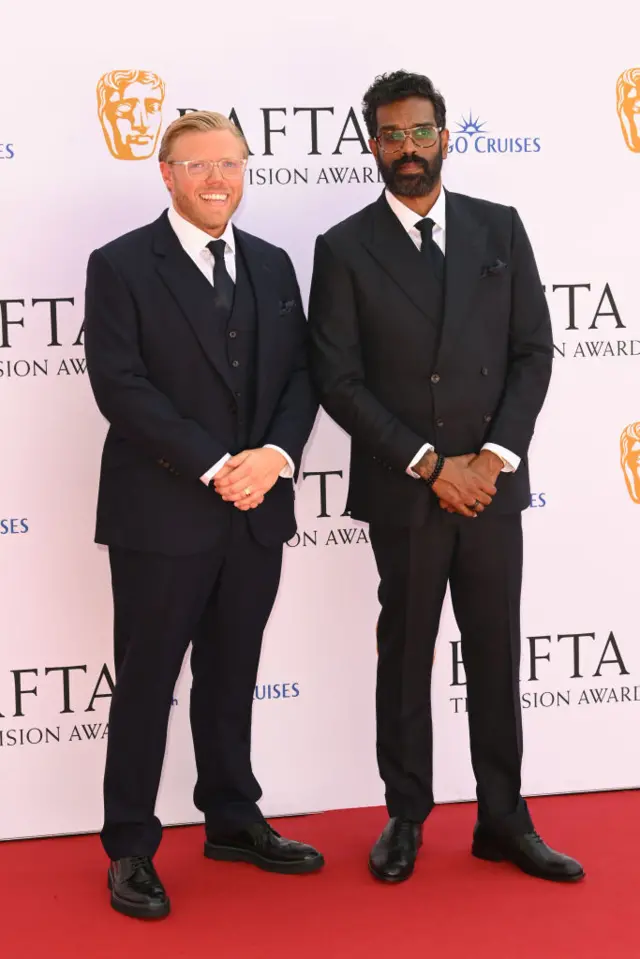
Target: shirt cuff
x=416, y=459
x=288, y=471
x=208, y=476
x=510, y=460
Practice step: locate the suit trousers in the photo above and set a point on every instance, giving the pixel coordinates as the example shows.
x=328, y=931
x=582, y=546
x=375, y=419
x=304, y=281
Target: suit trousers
x=481, y=560
x=219, y=601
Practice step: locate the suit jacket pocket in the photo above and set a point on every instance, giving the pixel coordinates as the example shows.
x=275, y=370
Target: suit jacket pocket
x=120, y=452
x=287, y=307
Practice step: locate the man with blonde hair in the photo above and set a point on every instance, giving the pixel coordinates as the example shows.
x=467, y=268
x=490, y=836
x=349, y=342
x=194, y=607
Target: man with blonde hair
x=196, y=352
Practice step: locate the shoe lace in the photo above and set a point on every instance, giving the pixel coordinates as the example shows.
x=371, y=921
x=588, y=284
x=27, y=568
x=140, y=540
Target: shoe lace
x=138, y=862
x=405, y=830
x=405, y=827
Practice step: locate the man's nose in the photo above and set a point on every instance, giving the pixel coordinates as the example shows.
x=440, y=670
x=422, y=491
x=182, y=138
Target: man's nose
x=214, y=174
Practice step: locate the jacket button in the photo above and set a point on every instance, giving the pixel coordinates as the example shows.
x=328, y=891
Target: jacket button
x=439, y=422
x=435, y=377
x=487, y=417
x=235, y=364
x=232, y=334
x=484, y=371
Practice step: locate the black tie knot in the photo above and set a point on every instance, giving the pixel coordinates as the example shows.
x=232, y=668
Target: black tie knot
x=217, y=248
x=426, y=227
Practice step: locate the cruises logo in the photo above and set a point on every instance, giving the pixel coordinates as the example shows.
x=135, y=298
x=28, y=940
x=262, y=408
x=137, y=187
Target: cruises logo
x=12, y=526
x=474, y=136
x=276, y=691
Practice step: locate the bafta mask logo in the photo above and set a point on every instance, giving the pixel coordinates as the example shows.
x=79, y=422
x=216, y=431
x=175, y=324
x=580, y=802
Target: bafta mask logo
x=130, y=112
x=630, y=459
x=629, y=107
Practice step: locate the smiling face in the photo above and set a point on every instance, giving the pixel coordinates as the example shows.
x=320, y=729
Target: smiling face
x=207, y=202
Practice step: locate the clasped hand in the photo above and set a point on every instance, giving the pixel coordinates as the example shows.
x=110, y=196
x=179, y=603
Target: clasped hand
x=247, y=477
x=466, y=484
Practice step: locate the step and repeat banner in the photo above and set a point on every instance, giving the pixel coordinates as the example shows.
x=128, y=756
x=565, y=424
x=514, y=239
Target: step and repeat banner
x=537, y=122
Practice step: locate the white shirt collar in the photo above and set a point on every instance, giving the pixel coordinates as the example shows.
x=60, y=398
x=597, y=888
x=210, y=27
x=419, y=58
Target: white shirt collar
x=438, y=212
x=193, y=239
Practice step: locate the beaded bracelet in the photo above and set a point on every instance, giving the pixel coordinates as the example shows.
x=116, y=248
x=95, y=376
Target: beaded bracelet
x=436, y=470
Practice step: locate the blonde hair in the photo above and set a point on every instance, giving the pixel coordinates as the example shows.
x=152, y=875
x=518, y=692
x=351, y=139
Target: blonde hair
x=630, y=436
x=200, y=121
x=118, y=79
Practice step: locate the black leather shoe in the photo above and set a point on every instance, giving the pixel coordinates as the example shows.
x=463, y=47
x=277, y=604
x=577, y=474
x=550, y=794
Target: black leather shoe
x=528, y=852
x=136, y=889
x=394, y=855
x=261, y=845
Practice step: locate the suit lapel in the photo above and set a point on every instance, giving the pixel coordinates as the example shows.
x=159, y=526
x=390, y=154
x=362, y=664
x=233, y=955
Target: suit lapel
x=395, y=251
x=192, y=293
x=265, y=292
x=465, y=244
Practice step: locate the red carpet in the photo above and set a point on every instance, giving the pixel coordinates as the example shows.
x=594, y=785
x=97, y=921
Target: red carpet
x=54, y=900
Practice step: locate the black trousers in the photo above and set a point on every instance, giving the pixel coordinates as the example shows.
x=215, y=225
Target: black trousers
x=481, y=559
x=219, y=601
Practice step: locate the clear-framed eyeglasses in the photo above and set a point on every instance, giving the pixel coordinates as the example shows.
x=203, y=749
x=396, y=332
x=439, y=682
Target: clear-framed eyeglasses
x=422, y=137
x=203, y=169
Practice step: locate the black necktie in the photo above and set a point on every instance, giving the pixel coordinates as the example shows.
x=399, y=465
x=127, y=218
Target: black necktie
x=430, y=249
x=223, y=285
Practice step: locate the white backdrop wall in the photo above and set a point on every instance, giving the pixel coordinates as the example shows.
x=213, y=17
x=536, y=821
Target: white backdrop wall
x=533, y=112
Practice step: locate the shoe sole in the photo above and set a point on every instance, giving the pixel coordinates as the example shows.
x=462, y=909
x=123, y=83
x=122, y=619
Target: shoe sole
x=137, y=912
x=491, y=854
x=391, y=880
x=230, y=854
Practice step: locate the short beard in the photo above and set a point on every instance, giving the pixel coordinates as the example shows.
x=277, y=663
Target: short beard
x=414, y=184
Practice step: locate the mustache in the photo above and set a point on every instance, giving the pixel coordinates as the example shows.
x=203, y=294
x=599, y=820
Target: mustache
x=409, y=158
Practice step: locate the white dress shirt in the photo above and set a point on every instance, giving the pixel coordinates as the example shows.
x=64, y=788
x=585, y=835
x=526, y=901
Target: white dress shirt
x=408, y=219
x=194, y=242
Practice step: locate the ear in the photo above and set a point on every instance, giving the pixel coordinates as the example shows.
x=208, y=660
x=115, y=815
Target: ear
x=373, y=146
x=167, y=175
x=444, y=139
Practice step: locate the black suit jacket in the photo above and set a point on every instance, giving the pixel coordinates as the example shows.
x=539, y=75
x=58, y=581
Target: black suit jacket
x=161, y=380
x=395, y=378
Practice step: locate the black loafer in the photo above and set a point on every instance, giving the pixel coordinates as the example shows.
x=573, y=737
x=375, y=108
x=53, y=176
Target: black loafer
x=394, y=855
x=262, y=846
x=136, y=889
x=528, y=852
